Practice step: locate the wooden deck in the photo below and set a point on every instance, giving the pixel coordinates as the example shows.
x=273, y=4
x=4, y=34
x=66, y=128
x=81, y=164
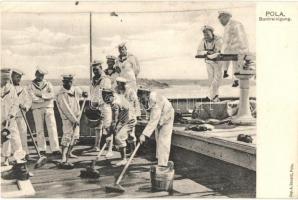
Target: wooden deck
x=208, y=164
x=220, y=143
x=190, y=180
x=49, y=181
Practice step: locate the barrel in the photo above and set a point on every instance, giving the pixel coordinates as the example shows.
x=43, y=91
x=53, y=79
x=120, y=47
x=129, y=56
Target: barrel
x=162, y=180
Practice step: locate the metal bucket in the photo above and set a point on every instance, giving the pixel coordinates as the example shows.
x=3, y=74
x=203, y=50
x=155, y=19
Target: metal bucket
x=162, y=180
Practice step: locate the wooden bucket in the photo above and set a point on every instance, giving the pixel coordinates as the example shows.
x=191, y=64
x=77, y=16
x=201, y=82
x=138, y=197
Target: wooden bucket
x=160, y=180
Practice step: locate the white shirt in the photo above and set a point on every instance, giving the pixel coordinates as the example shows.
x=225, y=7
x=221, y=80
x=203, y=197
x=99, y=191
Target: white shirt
x=235, y=39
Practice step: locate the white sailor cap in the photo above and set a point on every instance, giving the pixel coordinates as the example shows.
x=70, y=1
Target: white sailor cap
x=142, y=90
x=220, y=13
x=207, y=27
x=41, y=70
x=121, y=80
x=67, y=77
x=17, y=71
x=5, y=73
x=96, y=63
x=122, y=44
x=111, y=57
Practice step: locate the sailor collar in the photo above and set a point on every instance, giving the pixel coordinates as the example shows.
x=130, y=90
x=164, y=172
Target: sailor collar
x=6, y=90
x=96, y=81
x=229, y=23
x=70, y=92
x=41, y=84
x=124, y=58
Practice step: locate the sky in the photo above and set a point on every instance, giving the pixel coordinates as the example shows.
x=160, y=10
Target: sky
x=164, y=43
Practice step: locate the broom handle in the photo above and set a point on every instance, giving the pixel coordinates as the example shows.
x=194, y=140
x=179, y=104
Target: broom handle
x=74, y=126
x=81, y=112
x=98, y=155
x=127, y=164
x=101, y=151
x=30, y=132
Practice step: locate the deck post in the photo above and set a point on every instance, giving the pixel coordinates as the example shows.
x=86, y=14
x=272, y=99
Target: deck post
x=244, y=116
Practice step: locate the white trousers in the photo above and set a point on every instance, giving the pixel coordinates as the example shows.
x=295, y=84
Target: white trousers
x=23, y=133
x=236, y=69
x=14, y=144
x=46, y=115
x=69, y=132
x=163, y=137
x=214, y=71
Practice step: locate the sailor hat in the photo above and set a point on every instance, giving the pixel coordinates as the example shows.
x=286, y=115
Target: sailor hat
x=41, y=70
x=142, y=90
x=17, y=71
x=67, y=77
x=220, y=13
x=122, y=44
x=121, y=80
x=111, y=57
x=5, y=73
x=207, y=27
x=96, y=63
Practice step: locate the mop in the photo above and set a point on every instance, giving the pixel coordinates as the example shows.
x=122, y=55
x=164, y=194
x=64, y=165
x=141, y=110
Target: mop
x=117, y=187
x=90, y=171
x=42, y=160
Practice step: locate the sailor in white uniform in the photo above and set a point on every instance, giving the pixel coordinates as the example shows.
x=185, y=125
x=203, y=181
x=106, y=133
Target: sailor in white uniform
x=122, y=121
x=112, y=71
x=42, y=94
x=9, y=110
x=234, y=42
x=68, y=103
x=99, y=82
x=25, y=104
x=129, y=66
x=131, y=96
x=161, y=121
x=211, y=45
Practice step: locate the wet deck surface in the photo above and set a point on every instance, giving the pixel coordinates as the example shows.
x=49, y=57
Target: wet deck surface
x=190, y=180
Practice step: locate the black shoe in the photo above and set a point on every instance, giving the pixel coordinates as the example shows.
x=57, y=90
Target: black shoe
x=43, y=153
x=225, y=75
x=235, y=83
x=56, y=153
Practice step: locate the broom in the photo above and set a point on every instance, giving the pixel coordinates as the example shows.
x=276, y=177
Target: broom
x=90, y=172
x=42, y=160
x=117, y=187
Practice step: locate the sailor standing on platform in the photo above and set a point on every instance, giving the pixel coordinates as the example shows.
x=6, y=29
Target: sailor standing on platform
x=42, y=94
x=131, y=96
x=68, y=103
x=25, y=104
x=234, y=42
x=129, y=66
x=9, y=110
x=211, y=45
x=112, y=71
x=99, y=82
x=161, y=121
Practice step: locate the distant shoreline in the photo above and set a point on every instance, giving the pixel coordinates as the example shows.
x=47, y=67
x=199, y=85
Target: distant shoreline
x=154, y=83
